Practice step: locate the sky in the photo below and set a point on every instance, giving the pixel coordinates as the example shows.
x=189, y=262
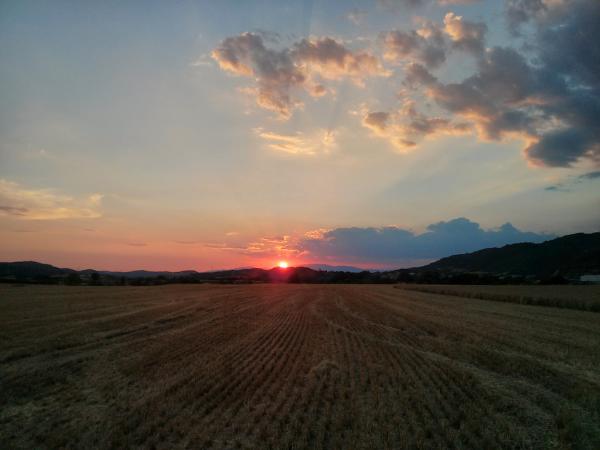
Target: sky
x=206, y=135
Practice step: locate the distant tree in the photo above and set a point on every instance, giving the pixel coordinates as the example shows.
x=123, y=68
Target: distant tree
x=73, y=279
x=95, y=278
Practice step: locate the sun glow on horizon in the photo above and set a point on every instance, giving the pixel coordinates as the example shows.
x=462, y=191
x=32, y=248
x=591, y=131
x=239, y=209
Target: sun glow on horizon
x=283, y=264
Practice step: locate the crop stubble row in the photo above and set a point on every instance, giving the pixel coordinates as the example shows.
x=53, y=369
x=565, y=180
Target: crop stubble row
x=292, y=366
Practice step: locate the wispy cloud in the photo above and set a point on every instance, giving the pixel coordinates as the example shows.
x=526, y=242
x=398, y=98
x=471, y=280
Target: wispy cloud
x=322, y=141
x=45, y=204
x=356, y=16
x=570, y=182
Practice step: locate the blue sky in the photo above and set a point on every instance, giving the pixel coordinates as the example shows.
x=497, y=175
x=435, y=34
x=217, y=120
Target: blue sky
x=216, y=134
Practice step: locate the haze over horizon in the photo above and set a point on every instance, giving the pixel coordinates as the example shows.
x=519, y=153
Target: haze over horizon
x=378, y=134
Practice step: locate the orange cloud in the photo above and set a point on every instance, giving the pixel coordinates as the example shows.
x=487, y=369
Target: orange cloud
x=405, y=127
x=322, y=141
x=45, y=204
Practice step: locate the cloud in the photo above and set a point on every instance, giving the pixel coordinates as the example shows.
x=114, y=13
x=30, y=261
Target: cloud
x=519, y=12
x=322, y=141
x=137, y=244
x=498, y=99
x=416, y=75
x=562, y=148
x=269, y=246
x=45, y=204
x=510, y=97
x=573, y=181
x=403, y=128
x=377, y=121
x=412, y=4
x=394, y=245
x=279, y=73
x=274, y=71
x=332, y=60
x=395, y=4
x=547, y=95
x=426, y=46
x=430, y=44
x=590, y=175
x=13, y=210
x=465, y=35
x=383, y=245
x=356, y=16
x=457, y=2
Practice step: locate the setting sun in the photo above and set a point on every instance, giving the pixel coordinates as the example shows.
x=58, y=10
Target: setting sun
x=283, y=264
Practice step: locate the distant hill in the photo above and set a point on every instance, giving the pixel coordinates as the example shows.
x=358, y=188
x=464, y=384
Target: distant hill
x=144, y=273
x=31, y=270
x=330, y=268
x=574, y=254
x=563, y=258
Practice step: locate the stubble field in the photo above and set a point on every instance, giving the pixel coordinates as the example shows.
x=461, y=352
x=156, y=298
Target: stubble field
x=292, y=366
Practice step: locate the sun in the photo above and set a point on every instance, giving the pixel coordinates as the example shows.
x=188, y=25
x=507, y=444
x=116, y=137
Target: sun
x=283, y=264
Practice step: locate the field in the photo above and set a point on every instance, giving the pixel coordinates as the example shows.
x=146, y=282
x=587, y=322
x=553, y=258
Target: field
x=582, y=297
x=292, y=366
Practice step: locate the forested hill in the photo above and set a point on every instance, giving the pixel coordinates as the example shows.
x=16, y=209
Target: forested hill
x=573, y=254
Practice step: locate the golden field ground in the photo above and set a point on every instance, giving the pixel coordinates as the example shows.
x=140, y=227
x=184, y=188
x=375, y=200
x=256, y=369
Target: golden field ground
x=292, y=366
x=582, y=297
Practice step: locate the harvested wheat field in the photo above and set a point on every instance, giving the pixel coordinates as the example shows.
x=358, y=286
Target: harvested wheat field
x=292, y=366
x=582, y=297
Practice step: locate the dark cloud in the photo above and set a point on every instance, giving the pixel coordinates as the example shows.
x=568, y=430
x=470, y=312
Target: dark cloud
x=393, y=244
x=590, y=175
x=499, y=98
x=13, y=210
x=548, y=96
x=457, y=2
x=567, y=50
x=553, y=103
x=561, y=148
x=377, y=121
x=412, y=4
x=417, y=75
x=568, y=44
x=519, y=12
x=426, y=46
x=395, y=4
x=572, y=181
